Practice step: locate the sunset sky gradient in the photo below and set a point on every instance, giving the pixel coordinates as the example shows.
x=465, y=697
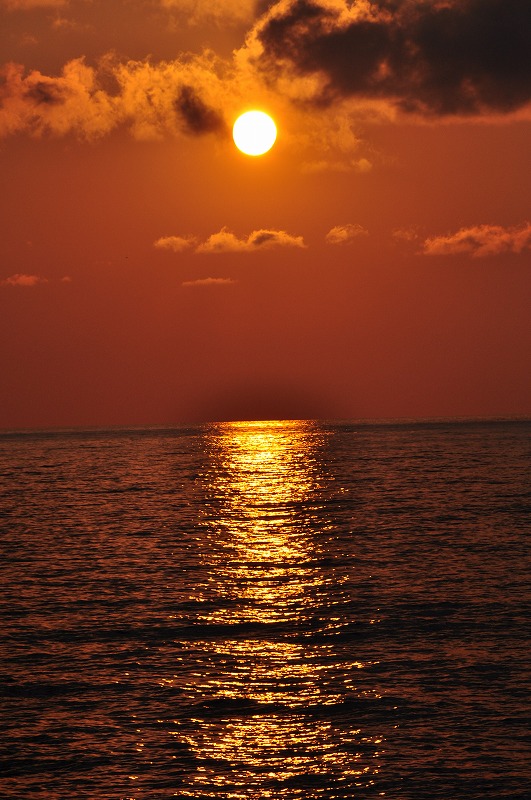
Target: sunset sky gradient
x=375, y=263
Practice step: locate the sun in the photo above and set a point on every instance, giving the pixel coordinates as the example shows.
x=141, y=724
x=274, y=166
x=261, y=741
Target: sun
x=254, y=133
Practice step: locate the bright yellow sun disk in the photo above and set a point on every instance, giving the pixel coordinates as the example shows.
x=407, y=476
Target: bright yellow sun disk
x=254, y=133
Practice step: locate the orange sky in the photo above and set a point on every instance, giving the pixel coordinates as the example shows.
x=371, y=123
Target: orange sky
x=376, y=263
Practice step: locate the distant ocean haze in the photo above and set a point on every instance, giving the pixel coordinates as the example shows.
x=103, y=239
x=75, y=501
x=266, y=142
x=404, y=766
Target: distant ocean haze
x=289, y=610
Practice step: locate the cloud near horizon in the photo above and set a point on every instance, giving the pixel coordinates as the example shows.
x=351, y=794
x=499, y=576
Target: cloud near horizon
x=23, y=280
x=481, y=241
x=344, y=234
x=457, y=57
x=206, y=282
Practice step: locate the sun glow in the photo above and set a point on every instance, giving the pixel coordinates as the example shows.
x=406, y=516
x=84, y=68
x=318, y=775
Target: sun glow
x=254, y=133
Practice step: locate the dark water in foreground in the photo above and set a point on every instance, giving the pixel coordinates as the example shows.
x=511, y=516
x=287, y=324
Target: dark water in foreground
x=266, y=610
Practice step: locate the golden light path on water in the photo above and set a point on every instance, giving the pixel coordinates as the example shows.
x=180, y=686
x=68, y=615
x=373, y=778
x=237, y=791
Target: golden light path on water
x=261, y=516
x=263, y=475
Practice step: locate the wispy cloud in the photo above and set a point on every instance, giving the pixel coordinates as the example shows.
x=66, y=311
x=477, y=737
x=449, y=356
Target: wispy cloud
x=221, y=12
x=227, y=242
x=405, y=234
x=175, y=243
x=152, y=100
x=206, y=282
x=69, y=103
x=344, y=234
x=29, y=4
x=23, y=280
x=61, y=23
x=347, y=165
x=481, y=241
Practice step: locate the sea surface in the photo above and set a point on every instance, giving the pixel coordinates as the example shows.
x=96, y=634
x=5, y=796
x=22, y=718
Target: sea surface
x=276, y=610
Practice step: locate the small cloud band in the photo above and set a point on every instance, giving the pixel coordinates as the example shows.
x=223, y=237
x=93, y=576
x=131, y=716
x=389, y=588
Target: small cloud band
x=344, y=234
x=205, y=282
x=481, y=241
x=23, y=280
x=227, y=242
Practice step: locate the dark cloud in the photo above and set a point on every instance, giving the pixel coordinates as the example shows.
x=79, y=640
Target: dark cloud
x=47, y=92
x=264, y=237
x=261, y=6
x=198, y=117
x=438, y=58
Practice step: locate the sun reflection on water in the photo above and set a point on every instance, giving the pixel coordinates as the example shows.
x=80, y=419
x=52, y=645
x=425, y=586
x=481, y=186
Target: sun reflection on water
x=262, y=487
x=272, y=682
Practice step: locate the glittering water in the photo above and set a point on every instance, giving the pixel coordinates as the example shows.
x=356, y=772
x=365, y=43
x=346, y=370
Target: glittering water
x=266, y=610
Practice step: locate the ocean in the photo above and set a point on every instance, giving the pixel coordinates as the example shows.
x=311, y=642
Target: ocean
x=276, y=610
